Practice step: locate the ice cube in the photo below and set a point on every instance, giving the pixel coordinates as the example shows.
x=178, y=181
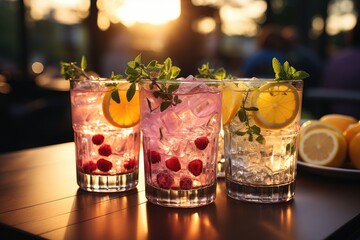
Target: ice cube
x=190, y=84
x=204, y=106
x=186, y=116
x=171, y=121
x=151, y=126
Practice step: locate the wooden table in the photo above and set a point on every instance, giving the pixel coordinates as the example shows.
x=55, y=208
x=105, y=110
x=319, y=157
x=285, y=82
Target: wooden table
x=40, y=199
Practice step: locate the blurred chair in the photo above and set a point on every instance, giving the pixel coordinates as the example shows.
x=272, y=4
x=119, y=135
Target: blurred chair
x=340, y=91
x=329, y=100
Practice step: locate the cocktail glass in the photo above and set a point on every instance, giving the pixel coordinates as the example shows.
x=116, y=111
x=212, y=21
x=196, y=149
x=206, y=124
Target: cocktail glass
x=106, y=134
x=180, y=123
x=261, y=134
x=221, y=156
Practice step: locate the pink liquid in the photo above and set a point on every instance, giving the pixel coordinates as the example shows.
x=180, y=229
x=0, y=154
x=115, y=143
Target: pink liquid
x=103, y=152
x=188, y=133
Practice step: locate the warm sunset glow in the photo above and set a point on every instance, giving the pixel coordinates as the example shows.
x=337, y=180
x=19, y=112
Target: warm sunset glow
x=62, y=11
x=238, y=17
x=235, y=22
x=204, y=25
x=130, y=12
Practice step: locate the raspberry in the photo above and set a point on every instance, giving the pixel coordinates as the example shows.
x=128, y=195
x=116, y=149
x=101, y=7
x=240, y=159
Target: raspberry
x=173, y=164
x=186, y=183
x=105, y=150
x=98, y=139
x=104, y=165
x=89, y=167
x=129, y=163
x=195, y=167
x=165, y=180
x=154, y=156
x=201, y=142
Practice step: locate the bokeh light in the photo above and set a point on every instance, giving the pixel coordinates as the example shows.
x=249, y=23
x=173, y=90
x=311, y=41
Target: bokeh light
x=342, y=16
x=62, y=11
x=130, y=12
x=37, y=67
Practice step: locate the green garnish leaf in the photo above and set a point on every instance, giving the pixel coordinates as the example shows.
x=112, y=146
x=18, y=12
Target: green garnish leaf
x=242, y=115
x=287, y=72
x=132, y=72
x=260, y=139
x=244, y=118
x=131, y=92
x=116, y=77
x=220, y=74
x=206, y=72
x=175, y=71
x=255, y=129
x=240, y=133
x=70, y=71
x=173, y=87
x=154, y=71
x=167, y=64
x=301, y=75
x=164, y=106
x=115, y=95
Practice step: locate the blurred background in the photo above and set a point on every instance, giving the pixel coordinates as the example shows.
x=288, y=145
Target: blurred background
x=319, y=36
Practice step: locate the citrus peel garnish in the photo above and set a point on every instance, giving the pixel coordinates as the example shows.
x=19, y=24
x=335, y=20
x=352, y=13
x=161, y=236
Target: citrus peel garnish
x=231, y=101
x=278, y=105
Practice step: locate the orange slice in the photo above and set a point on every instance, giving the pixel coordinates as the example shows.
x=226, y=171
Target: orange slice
x=278, y=104
x=124, y=114
x=231, y=101
x=324, y=147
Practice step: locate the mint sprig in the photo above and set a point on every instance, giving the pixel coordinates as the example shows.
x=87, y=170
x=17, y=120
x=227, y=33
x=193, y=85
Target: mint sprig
x=244, y=118
x=206, y=72
x=287, y=72
x=71, y=71
x=154, y=71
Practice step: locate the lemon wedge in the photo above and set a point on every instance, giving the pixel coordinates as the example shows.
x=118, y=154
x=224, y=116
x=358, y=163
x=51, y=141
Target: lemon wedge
x=231, y=101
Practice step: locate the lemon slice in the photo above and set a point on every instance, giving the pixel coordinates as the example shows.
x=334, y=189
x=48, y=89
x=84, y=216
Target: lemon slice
x=324, y=147
x=231, y=101
x=124, y=114
x=315, y=124
x=278, y=105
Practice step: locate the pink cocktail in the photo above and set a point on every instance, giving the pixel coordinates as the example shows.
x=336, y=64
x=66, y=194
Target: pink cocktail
x=107, y=139
x=180, y=122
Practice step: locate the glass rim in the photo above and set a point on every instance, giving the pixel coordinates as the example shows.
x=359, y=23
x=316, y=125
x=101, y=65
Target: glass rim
x=99, y=79
x=182, y=80
x=264, y=80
